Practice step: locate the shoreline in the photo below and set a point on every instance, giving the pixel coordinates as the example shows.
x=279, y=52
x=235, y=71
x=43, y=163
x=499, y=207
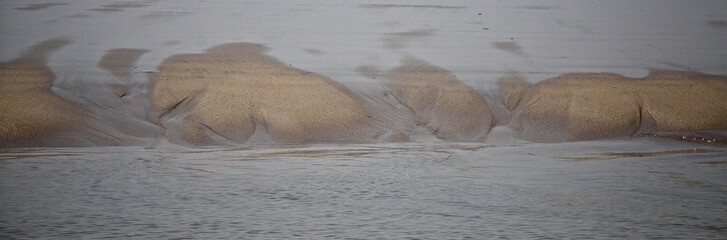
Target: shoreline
x=236, y=94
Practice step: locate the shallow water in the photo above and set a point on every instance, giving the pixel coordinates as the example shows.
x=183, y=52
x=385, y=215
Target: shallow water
x=503, y=188
x=638, y=188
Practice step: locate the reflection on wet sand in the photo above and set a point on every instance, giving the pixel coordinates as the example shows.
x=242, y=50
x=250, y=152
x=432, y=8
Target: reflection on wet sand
x=118, y=7
x=39, y=6
x=15, y=156
x=619, y=155
x=712, y=162
x=386, y=6
x=316, y=153
x=680, y=178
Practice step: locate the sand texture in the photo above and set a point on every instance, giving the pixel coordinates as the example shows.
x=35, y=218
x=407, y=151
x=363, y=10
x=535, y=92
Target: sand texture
x=587, y=106
x=452, y=110
x=233, y=90
x=30, y=113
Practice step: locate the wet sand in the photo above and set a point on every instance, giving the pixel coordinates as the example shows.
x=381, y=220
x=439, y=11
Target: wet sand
x=33, y=115
x=236, y=94
x=233, y=90
x=30, y=113
x=120, y=63
x=356, y=80
x=588, y=106
x=450, y=109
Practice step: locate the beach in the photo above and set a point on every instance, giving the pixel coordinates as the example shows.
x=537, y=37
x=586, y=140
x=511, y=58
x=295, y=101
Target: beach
x=363, y=119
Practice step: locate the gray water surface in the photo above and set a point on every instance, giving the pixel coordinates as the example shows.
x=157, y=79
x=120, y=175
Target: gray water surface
x=604, y=189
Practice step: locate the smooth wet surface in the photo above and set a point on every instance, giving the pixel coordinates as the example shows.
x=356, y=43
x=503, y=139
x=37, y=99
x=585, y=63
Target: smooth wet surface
x=99, y=87
x=375, y=73
x=389, y=191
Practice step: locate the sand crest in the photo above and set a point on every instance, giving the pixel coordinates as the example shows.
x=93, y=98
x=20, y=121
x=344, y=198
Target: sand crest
x=452, y=110
x=233, y=90
x=586, y=106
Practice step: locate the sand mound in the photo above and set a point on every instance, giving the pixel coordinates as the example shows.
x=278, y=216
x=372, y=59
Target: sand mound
x=30, y=113
x=586, y=106
x=453, y=111
x=233, y=90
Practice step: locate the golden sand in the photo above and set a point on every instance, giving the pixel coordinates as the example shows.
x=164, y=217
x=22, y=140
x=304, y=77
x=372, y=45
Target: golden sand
x=30, y=114
x=451, y=109
x=233, y=90
x=586, y=106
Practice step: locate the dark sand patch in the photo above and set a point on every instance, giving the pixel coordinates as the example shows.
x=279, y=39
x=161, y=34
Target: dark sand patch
x=538, y=7
x=717, y=23
x=234, y=90
x=398, y=40
x=119, y=6
x=120, y=62
x=312, y=51
x=171, y=42
x=39, y=6
x=163, y=16
x=620, y=155
x=386, y=6
x=10, y=157
x=79, y=15
x=717, y=162
x=587, y=106
x=316, y=153
x=109, y=10
x=681, y=178
x=369, y=71
x=511, y=47
x=414, y=33
x=452, y=110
